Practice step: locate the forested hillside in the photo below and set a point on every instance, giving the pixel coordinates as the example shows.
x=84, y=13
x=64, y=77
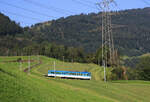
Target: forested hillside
x=8, y=27
x=130, y=28
x=8, y=31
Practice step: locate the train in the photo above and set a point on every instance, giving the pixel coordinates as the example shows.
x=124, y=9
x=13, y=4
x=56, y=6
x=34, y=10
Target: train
x=69, y=74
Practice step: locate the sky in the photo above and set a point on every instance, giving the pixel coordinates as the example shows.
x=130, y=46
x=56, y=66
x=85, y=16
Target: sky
x=29, y=12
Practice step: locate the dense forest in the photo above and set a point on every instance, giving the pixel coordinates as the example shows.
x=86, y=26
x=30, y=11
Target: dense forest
x=8, y=27
x=130, y=29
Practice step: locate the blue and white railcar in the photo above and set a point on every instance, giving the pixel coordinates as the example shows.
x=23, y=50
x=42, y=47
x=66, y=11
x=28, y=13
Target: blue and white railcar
x=69, y=74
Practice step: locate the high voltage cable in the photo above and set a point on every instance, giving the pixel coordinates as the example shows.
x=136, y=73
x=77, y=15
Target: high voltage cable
x=84, y=4
x=88, y=1
x=49, y=7
x=35, y=12
x=37, y=19
x=146, y=2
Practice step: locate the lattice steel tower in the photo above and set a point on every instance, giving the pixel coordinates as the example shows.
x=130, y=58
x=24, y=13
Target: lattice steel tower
x=107, y=37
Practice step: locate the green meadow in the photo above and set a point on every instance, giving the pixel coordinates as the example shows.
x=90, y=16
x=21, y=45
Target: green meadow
x=19, y=86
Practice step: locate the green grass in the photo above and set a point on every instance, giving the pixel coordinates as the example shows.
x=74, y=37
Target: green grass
x=18, y=86
x=146, y=55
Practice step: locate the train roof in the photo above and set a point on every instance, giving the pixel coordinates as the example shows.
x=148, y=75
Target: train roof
x=68, y=71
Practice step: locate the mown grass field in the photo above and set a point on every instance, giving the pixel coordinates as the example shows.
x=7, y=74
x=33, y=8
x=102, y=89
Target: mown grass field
x=18, y=86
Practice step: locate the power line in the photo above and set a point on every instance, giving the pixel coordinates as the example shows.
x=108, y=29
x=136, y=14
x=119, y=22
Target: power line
x=37, y=19
x=49, y=7
x=88, y=1
x=84, y=4
x=115, y=5
x=35, y=12
x=146, y=2
x=24, y=23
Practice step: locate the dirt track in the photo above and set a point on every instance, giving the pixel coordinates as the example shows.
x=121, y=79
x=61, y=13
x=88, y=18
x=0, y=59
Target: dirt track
x=22, y=61
x=26, y=69
x=25, y=61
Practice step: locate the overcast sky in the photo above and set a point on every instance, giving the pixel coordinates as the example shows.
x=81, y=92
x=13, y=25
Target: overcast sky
x=28, y=12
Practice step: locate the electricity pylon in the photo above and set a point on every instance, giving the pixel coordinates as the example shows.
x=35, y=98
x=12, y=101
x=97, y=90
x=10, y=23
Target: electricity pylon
x=107, y=37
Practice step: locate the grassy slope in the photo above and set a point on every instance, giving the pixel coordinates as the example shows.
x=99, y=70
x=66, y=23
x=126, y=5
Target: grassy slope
x=17, y=86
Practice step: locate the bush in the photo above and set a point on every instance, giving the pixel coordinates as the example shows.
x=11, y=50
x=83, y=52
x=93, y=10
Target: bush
x=19, y=59
x=144, y=68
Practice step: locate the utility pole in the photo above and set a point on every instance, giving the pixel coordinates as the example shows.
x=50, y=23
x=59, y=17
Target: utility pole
x=55, y=68
x=28, y=64
x=63, y=59
x=8, y=52
x=38, y=58
x=20, y=64
x=107, y=37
